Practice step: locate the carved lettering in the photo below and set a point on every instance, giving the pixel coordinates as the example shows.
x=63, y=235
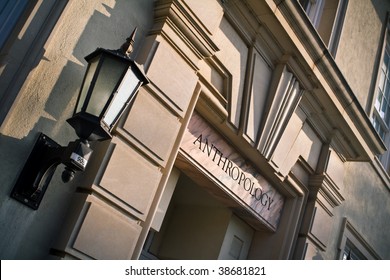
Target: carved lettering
x=233, y=171
x=199, y=139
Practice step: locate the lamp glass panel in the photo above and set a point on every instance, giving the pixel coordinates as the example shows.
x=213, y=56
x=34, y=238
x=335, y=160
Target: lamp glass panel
x=87, y=83
x=125, y=92
x=109, y=76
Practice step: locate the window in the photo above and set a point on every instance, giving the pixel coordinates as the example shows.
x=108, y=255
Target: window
x=10, y=11
x=353, y=246
x=313, y=9
x=351, y=252
x=381, y=111
x=327, y=17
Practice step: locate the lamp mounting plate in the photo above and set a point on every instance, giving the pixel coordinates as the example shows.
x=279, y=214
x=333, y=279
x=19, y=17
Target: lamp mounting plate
x=36, y=173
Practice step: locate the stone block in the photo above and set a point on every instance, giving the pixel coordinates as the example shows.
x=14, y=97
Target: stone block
x=152, y=125
x=106, y=233
x=130, y=178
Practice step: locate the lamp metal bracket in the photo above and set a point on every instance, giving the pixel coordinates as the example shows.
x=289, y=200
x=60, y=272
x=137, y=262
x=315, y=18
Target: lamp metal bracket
x=41, y=165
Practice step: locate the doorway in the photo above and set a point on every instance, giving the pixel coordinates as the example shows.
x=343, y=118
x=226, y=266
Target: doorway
x=198, y=226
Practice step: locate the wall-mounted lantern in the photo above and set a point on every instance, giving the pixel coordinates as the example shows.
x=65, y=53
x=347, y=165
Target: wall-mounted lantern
x=110, y=84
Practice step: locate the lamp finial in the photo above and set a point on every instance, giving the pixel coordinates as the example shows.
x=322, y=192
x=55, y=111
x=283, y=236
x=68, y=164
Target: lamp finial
x=127, y=47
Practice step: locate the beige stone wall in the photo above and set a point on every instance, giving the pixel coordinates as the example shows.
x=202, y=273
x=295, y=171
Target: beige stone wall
x=367, y=206
x=361, y=46
x=46, y=99
x=134, y=173
x=235, y=72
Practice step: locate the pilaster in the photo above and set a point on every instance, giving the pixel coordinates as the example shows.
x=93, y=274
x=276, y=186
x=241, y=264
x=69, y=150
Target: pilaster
x=325, y=194
x=114, y=210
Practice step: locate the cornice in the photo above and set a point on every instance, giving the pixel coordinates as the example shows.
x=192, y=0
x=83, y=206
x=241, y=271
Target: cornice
x=329, y=70
x=188, y=26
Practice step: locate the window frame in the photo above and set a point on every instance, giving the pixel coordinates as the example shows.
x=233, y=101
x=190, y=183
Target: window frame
x=315, y=9
x=375, y=114
x=337, y=28
x=16, y=59
x=350, y=238
x=10, y=14
x=351, y=252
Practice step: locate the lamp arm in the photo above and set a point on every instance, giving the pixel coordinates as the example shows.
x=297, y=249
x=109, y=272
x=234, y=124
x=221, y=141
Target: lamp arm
x=41, y=181
x=41, y=165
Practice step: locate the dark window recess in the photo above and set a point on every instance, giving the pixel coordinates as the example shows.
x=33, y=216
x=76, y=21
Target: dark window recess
x=10, y=12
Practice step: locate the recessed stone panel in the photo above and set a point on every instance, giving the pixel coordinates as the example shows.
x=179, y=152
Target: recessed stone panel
x=130, y=178
x=335, y=169
x=322, y=225
x=306, y=145
x=258, y=95
x=172, y=75
x=152, y=125
x=106, y=234
x=233, y=56
x=287, y=140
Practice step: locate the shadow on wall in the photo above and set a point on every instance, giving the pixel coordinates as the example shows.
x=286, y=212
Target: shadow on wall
x=29, y=234
x=22, y=52
x=114, y=26
x=24, y=231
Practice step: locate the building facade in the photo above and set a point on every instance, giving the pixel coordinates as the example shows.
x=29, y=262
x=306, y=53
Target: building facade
x=262, y=134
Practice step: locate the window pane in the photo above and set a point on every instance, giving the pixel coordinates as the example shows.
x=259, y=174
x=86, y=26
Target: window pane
x=378, y=127
x=382, y=80
x=386, y=61
x=109, y=76
x=87, y=83
x=10, y=11
x=382, y=103
x=387, y=88
x=387, y=116
x=126, y=90
x=313, y=9
x=383, y=110
x=379, y=101
x=351, y=252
